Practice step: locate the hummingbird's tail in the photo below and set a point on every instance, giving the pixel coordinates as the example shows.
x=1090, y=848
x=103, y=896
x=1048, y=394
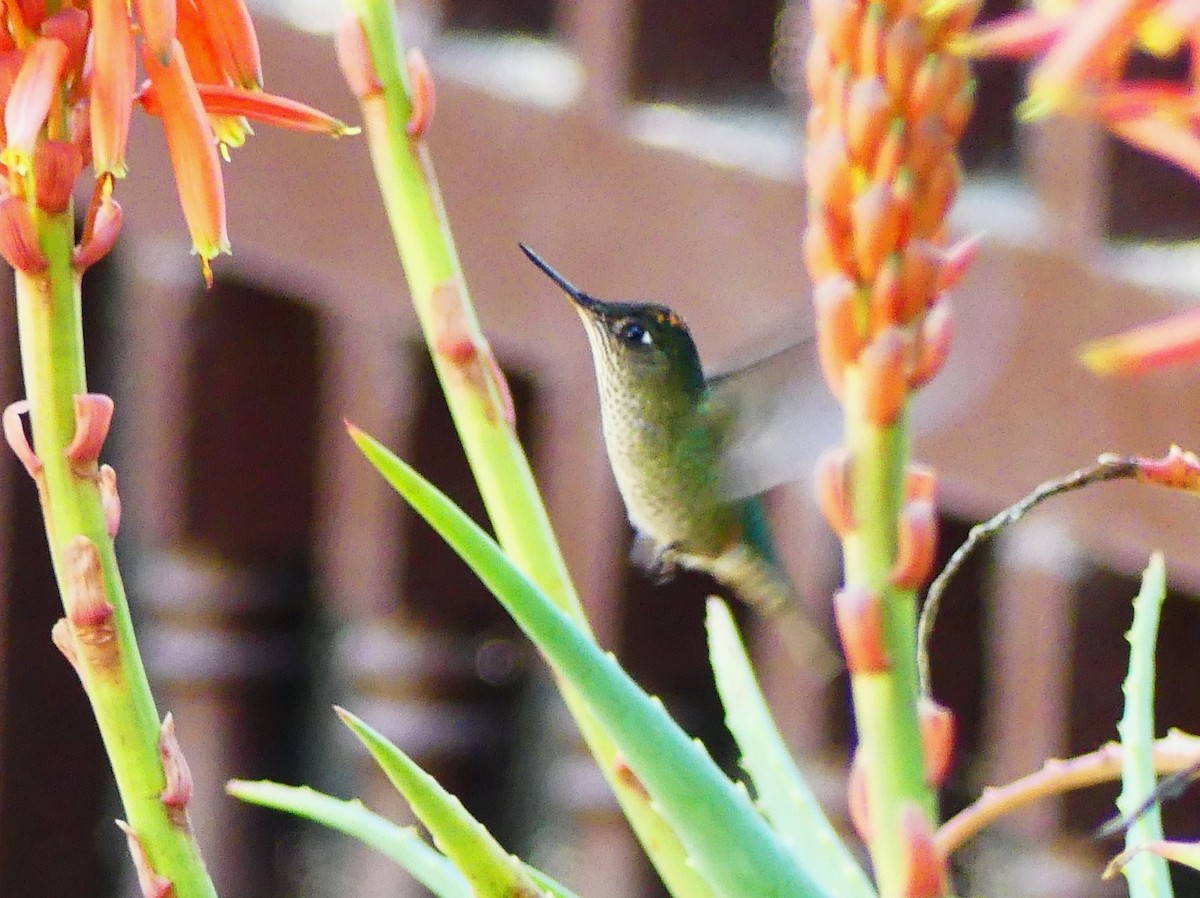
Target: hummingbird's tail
x=764, y=586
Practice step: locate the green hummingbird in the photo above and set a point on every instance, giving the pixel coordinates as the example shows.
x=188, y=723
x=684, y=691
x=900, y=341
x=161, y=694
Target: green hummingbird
x=690, y=452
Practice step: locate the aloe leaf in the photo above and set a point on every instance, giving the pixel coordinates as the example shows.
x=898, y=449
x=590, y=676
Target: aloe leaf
x=728, y=840
x=1145, y=872
x=491, y=871
x=782, y=793
x=400, y=843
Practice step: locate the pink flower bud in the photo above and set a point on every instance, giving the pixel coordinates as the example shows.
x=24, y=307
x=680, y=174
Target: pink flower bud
x=925, y=873
x=150, y=883
x=422, y=94
x=933, y=346
x=354, y=57
x=876, y=217
x=937, y=740
x=19, y=244
x=93, y=415
x=832, y=482
x=858, y=614
x=885, y=384
x=916, y=545
x=178, y=792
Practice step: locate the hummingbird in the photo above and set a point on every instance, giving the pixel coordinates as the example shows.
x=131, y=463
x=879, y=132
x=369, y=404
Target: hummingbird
x=690, y=452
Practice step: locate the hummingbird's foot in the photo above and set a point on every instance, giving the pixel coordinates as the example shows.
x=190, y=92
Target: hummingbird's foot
x=659, y=561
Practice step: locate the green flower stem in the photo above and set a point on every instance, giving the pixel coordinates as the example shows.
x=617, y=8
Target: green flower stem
x=885, y=704
x=463, y=362
x=51, y=337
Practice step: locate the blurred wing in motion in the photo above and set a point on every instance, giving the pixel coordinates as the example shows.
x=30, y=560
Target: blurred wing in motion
x=779, y=416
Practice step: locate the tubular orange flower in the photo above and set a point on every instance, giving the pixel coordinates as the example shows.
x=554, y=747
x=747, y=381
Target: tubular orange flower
x=1156, y=345
x=231, y=130
x=29, y=103
x=114, y=68
x=225, y=100
x=193, y=155
x=234, y=41
x=157, y=18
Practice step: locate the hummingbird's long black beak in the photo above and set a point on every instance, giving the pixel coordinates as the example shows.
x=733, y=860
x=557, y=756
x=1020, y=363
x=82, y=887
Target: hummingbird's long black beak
x=581, y=299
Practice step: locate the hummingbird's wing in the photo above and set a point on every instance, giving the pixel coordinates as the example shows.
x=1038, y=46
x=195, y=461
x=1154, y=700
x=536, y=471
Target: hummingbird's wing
x=775, y=416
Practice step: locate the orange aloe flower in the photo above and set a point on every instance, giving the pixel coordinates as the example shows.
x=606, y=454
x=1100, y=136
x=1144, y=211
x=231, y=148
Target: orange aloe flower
x=68, y=86
x=1079, y=53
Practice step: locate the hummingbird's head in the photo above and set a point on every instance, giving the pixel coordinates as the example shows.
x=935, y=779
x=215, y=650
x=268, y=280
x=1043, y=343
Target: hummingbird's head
x=644, y=343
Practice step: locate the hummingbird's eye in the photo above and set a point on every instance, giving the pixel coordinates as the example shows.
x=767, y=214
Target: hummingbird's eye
x=634, y=333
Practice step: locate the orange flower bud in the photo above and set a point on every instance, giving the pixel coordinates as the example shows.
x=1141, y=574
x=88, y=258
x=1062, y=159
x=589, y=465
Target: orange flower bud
x=1159, y=344
x=838, y=22
x=933, y=346
x=884, y=382
x=824, y=254
x=421, y=93
x=827, y=168
x=939, y=194
x=233, y=38
x=868, y=117
x=114, y=71
x=839, y=338
x=19, y=244
x=858, y=614
x=956, y=260
x=958, y=110
x=903, y=52
x=891, y=152
x=56, y=167
x=837, y=100
x=925, y=873
x=193, y=155
x=832, y=482
x=929, y=144
x=920, y=483
x=938, y=78
x=34, y=89
x=871, y=39
x=919, y=274
x=156, y=19
x=887, y=301
x=916, y=545
x=818, y=66
x=876, y=218
x=937, y=740
x=354, y=57
x=1177, y=469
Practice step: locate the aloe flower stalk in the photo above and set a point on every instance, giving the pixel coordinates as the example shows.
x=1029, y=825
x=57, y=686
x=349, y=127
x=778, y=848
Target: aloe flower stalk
x=67, y=87
x=889, y=103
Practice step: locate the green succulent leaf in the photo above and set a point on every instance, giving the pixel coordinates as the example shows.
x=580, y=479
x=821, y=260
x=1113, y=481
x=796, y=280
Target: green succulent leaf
x=782, y=793
x=729, y=841
x=491, y=871
x=1145, y=871
x=400, y=843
